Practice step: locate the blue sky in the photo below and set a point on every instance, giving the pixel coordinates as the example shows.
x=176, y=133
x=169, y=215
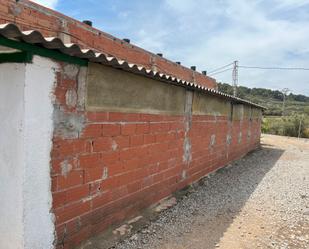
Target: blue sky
x=210, y=34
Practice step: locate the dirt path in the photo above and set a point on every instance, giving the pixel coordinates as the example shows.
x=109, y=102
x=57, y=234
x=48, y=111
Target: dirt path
x=261, y=201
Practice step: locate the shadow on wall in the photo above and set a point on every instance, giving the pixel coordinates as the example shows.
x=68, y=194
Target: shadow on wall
x=227, y=192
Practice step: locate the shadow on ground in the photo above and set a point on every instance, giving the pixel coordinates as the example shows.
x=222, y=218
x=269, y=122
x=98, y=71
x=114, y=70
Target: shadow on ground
x=225, y=194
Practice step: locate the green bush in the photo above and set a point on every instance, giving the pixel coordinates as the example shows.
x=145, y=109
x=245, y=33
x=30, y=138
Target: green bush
x=286, y=126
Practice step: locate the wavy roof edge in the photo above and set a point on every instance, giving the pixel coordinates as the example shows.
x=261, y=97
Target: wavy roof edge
x=12, y=31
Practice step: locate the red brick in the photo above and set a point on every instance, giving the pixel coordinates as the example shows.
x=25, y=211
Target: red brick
x=117, y=116
x=81, y=235
x=78, y=193
x=123, y=117
x=93, y=174
x=136, y=140
x=149, y=138
x=71, y=211
x=177, y=126
x=54, y=183
x=102, y=144
x=101, y=200
x=135, y=186
x=142, y=128
x=92, y=131
x=122, y=142
x=110, y=157
x=141, y=151
x=133, y=117
x=56, y=166
x=118, y=167
x=159, y=127
x=94, y=188
x=128, y=129
x=73, y=178
x=59, y=199
x=108, y=184
x=111, y=129
x=150, y=117
x=97, y=116
x=90, y=160
x=120, y=192
x=63, y=148
x=132, y=164
x=165, y=137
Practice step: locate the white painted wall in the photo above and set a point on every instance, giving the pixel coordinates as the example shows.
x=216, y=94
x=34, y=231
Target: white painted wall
x=12, y=79
x=38, y=221
x=25, y=163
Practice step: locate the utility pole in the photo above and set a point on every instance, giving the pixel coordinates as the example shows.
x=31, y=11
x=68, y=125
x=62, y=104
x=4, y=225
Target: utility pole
x=284, y=92
x=235, y=77
x=300, y=124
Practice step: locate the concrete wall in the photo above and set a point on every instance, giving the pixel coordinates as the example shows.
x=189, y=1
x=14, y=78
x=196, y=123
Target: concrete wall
x=115, y=90
x=210, y=105
x=122, y=142
x=26, y=108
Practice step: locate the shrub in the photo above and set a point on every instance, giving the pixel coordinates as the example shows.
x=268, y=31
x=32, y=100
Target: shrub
x=287, y=126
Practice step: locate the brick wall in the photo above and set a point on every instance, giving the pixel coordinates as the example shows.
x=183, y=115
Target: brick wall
x=119, y=163
x=31, y=16
x=107, y=166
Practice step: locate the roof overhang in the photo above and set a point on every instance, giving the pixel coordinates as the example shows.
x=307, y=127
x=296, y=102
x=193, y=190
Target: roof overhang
x=33, y=42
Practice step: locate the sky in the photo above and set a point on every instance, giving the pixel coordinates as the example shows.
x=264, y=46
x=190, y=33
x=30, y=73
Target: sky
x=211, y=33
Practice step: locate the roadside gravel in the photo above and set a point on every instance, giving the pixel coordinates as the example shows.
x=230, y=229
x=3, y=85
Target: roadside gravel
x=260, y=201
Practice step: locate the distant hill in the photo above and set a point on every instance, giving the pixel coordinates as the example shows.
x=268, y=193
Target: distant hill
x=272, y=99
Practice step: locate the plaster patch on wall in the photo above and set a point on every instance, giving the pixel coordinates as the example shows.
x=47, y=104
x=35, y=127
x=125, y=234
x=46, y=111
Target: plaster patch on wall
x=81, y=88
x=71, y=98
x=67, y=125
x=249, y=134
x=70, y=71
x=105, y=173
x=66, y=167
x=183, y=174
x=228, y=139
x=187, y=155
x=212, y=140
x=239, y=137
x=114, y=145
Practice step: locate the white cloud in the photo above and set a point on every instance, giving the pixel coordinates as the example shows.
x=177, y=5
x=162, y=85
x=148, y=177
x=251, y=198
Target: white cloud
x=291, y=3
x=213, y=33
x=210, y=34
x=47, y=3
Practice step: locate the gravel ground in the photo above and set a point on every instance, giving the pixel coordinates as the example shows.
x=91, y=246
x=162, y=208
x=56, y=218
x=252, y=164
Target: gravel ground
x=260, y=201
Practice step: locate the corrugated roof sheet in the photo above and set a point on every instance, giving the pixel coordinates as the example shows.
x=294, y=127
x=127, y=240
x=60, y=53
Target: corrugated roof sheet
x=12, y=31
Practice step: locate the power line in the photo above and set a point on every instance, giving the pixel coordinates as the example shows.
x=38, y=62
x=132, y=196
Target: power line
x=275, y=68
x=219, y=68
x=211, y=74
